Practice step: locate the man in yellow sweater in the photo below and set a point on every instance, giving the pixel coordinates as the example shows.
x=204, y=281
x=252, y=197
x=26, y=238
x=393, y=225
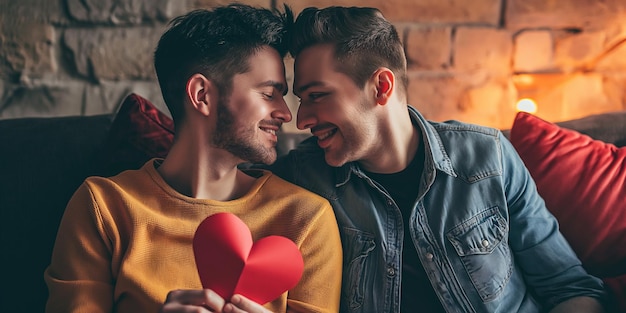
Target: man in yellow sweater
x=125, y=242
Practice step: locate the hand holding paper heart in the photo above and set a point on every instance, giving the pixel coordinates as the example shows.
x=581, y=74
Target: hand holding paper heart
x=230, y=263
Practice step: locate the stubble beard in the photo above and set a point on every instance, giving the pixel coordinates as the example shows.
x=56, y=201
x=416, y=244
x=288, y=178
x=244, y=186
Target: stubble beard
x=240, y=142
x=355, y=140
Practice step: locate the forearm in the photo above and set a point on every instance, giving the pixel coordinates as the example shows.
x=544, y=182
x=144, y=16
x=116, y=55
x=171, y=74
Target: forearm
x=579, y=304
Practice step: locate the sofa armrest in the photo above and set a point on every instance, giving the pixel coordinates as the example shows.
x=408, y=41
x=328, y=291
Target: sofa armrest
x=43, y=161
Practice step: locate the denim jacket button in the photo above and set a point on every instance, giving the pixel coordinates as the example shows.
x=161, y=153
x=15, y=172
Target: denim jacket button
x=485, y=243
x=391, y=271
x=429, y=256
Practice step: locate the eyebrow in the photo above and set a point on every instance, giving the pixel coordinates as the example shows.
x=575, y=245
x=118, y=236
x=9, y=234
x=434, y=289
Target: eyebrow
x=302, y=89
x=277, y=85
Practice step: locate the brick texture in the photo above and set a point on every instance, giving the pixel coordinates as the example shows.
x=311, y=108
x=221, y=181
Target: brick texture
x=467, y=60
x=435, y=11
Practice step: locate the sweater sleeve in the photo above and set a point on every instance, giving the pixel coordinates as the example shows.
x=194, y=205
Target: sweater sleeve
x=79, y=276
x=319, y=289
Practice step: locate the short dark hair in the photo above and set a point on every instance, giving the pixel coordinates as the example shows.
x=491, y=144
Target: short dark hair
x=363, y=40
x=216, y=43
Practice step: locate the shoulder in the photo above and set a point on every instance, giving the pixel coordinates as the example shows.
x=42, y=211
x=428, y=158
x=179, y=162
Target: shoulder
x=472, y=150
x=290, y=198
x=457, y=130
x=292, y=203
x=459, y=136
x=125, y=183
x=283, y=188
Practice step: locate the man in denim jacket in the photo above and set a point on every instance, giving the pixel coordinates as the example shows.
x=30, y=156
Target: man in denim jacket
x=434, y=217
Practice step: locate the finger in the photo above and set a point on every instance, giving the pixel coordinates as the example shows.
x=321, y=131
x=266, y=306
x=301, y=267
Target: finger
x=213, y=300
x=241, y=304
x=198, y=297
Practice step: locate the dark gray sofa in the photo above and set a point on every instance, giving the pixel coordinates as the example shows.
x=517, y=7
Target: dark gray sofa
x=43, y=160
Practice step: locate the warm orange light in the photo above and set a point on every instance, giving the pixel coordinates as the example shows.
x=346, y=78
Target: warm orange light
x=527, y=105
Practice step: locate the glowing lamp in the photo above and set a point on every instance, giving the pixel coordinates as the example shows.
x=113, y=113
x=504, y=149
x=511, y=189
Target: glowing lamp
x=527, y=105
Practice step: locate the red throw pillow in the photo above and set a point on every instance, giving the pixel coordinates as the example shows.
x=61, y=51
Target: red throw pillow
x=583, y=182
x=138, y=133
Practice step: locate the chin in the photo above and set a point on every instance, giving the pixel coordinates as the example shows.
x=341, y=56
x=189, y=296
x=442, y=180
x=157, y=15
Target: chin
x=333, y=161
x=267, y=158
x=269, y=161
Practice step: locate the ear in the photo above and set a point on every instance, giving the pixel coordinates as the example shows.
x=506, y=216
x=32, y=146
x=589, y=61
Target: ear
x=384, y=83
x=201, y=92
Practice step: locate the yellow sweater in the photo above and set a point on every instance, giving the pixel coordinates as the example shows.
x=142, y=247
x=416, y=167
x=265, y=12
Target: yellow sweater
x=124, y=242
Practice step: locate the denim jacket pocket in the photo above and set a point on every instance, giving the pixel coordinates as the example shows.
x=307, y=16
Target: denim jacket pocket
x=481, y=244
x=357, y=245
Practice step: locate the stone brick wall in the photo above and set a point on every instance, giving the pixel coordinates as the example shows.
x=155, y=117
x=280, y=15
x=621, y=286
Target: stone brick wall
x=468, y=60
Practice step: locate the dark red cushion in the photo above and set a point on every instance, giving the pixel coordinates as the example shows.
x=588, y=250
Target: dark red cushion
x=138, y=133
x=583, y=182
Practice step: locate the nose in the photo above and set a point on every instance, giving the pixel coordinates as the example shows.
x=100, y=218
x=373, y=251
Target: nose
x=305, y=118
x=282, y=112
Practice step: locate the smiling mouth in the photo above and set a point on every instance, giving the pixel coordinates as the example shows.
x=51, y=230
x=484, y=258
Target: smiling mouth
x=270, y=127
x=269, y=130
x=327, y=134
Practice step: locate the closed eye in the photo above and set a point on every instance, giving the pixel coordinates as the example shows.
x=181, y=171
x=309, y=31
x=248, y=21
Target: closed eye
x=312, y=97
x=316, y=95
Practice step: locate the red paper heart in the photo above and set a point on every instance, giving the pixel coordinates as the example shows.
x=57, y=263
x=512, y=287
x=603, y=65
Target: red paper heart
x=229, y=263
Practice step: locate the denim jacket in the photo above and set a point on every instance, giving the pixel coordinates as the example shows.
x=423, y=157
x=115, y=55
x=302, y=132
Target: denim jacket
x=481, y=230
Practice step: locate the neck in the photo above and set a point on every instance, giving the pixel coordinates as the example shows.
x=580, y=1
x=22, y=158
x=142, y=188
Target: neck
x=196, y=171
x=397, y=144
